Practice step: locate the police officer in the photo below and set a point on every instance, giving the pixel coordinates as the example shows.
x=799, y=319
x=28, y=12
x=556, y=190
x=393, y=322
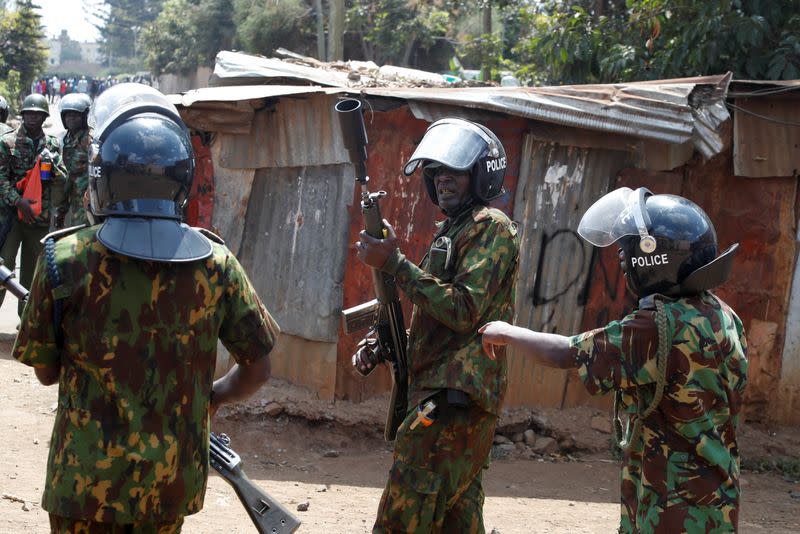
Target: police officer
x=677, y=365
x=125, y=316
x=19, y=151
x=466, y=279
x=4, y=116
x=74, y=115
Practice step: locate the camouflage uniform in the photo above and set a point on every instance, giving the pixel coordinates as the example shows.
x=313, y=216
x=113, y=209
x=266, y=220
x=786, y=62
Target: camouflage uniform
x=435, y=481
x=18, y=154
x=130, y=438
x=76, y=161
x=683, y=475
x=5, y=128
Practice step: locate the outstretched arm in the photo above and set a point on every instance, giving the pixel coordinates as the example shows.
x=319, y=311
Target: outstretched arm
x=552, y=350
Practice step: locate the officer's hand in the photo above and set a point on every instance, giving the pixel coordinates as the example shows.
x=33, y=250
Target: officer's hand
x=494, y=333
x=374, y=252
x=24, y=206
x=366, y=357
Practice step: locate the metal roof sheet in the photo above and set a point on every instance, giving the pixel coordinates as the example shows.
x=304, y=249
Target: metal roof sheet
x=672, y=111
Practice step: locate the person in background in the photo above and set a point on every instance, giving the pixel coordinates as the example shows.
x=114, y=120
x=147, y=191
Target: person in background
x=74, y=117
x=677, y=364
x=19, y=152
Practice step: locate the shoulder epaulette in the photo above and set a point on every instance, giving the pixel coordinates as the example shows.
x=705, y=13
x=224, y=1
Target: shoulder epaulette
x=211, y=235
x=58, y=234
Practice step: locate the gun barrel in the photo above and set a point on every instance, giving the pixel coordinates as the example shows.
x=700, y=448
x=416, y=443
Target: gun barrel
x=354, y=134
x=8, y=282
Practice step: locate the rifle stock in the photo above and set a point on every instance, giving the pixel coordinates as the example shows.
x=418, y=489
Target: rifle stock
x=267, y=514
x=388, y=319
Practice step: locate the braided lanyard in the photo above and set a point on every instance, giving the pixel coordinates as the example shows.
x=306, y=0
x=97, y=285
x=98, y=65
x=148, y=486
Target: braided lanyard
x=55, y=281
x=662, y=354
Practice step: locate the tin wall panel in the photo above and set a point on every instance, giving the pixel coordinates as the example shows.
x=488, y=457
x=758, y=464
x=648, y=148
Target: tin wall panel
x=231, y=193
x=766, y=137
x=294, y=245
x=556, y=186
x=393, y=136
x=295, y=132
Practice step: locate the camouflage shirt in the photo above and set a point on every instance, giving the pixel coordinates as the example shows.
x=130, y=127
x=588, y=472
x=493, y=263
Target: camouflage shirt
x=18, y=154
x=130, y=438
x=5, y=128
x=450, y=304
x=76, y=161
x=683, y=475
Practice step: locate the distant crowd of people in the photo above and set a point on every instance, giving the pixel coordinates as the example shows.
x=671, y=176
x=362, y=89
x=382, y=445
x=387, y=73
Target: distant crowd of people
x=55, y=87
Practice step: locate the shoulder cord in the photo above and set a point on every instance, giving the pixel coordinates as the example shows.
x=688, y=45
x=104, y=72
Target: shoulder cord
x=662, y=355
x=55, y=281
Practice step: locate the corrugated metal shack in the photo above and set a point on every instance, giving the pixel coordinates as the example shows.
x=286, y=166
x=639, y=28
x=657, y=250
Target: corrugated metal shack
x=284, y=199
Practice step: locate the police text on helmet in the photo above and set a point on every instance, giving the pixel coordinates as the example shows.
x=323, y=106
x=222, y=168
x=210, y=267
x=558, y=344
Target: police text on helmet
x=495, y=164
x=649, y=261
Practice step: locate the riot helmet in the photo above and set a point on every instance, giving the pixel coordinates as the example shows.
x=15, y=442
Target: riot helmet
x=463, y=146
x=3, y=110
x=78, y=102
x=36, y=102
x=669, y=243
x=141, y=166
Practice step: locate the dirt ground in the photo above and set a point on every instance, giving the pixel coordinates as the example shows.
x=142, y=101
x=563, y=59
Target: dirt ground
x=333, y=458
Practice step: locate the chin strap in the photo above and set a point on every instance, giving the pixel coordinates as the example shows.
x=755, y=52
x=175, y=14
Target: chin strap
x=662, y=354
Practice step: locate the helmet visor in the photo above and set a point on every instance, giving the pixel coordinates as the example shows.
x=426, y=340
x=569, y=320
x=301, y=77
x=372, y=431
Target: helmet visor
x=121, y=101
x=456, y=144
x=615, y=215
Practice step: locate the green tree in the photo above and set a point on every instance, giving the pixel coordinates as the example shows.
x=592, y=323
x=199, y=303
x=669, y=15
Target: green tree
x=264, y=26
x=22, y=49
x=122, y=23
x=187, y=34
x=393, y=31
x=586, y=41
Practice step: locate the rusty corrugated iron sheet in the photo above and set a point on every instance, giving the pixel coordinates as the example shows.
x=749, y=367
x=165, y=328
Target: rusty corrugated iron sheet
x=294, y=132
x=556, y=186
x=294, y=245
x=674, y=111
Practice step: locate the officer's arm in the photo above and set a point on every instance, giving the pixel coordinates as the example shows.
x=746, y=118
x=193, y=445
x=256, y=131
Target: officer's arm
x=551, y=350
x=485, y=263
x=47, y=375
x=8, y=194
x=241, y=381
x=249, y=333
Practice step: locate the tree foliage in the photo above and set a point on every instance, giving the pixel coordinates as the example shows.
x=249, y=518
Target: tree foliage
x=122, y=25
x=543, y=41
x=262, y=27
x=585, y=41
x=22, y=52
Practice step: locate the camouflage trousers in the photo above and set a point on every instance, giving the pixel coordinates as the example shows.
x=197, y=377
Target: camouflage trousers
x=66, y=525
x=435, y=483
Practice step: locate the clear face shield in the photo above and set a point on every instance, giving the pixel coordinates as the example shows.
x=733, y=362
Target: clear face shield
x=454, y=143
x=618, y=214
x=118, y=103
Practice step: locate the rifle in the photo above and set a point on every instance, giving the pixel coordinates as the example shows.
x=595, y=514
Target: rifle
x=384, y=313
x=268, y=515
x=8, y=282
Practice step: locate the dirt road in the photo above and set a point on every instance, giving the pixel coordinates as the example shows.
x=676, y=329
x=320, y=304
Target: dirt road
x=339, y=469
